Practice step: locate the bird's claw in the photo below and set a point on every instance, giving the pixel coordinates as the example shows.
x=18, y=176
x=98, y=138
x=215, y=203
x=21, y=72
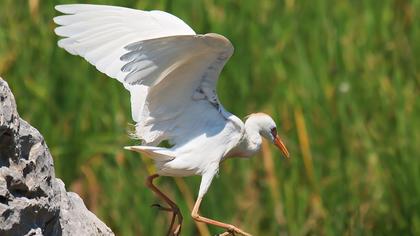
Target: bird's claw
x=227, y=233
x=160, y=207
x=156, y=205
x=232, y=230
x=177, y=230
x=176, y=213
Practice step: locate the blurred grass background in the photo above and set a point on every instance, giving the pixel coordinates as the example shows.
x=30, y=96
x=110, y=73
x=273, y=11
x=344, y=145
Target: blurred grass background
x=340, y=77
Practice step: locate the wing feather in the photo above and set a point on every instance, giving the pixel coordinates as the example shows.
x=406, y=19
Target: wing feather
x=93, y=31
x=182, y=67
x=170, y=71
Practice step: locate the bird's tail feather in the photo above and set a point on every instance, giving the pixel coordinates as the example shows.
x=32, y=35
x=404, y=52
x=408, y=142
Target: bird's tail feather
x=157, y=153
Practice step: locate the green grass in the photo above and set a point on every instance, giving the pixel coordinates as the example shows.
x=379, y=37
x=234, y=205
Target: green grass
x=340, y=77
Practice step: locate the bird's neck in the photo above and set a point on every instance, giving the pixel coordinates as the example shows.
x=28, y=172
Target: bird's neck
x=251, y=141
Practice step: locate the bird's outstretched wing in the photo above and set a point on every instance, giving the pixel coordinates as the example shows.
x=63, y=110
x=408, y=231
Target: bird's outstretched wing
x=170, y=71
x=99, y=33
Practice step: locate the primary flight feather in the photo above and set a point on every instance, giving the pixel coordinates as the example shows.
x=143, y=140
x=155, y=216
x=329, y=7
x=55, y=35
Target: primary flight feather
x=171, y=73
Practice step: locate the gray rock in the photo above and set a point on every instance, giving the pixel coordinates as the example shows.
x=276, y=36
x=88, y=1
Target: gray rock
x=32, y=201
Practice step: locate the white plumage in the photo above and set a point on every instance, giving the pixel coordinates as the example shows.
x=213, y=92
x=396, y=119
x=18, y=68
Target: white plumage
x=171, y=73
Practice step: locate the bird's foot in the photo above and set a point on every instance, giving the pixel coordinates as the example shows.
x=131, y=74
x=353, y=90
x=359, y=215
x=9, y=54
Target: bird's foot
x=232, y=230
x=176, y=214
x=227, y=233
x=160, y=207
x=177, y=230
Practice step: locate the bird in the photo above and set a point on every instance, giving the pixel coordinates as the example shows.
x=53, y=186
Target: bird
x=171, y=73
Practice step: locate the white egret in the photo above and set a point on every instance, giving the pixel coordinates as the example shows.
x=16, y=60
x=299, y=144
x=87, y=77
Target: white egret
x=171, y=73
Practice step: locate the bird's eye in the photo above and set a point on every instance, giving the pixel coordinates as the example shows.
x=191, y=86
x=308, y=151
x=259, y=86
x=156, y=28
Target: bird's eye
x=274, y=132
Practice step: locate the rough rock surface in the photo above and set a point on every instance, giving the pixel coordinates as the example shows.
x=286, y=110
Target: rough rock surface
x=32, y=200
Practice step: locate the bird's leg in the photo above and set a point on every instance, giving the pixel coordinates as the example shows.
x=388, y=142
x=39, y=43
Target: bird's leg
x=176, y=213
x=230, y=228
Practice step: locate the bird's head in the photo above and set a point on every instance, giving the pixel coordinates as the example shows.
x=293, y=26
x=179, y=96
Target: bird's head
x=267, y=128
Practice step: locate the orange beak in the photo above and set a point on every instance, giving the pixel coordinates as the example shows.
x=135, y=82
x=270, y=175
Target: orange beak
x=279, y=143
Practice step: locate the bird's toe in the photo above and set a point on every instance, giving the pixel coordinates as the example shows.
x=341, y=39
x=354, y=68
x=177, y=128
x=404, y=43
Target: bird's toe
x=160, y=207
